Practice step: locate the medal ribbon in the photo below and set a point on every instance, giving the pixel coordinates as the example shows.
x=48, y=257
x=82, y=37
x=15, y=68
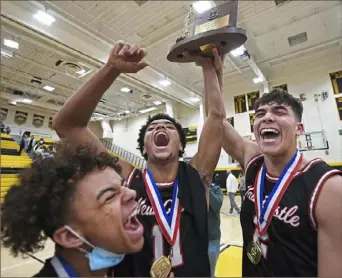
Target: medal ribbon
x=169, y=224
x=265, y=209
x=62, y=267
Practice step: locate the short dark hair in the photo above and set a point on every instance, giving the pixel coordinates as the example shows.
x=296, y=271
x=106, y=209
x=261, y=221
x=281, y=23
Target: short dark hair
x=280, y=96
x=41, y=203
x=160, y=116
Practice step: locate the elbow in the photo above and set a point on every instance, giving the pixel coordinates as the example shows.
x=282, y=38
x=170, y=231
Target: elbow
x=216, y=114
x=59, y=127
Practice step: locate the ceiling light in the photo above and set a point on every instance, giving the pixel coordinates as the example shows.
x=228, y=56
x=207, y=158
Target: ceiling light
x=44, y=18
x=165, y=82
x=202, y=6
x=11, y=44
x=257, y=80
x=194, y=99
x=99, y=114
x=81, y=71
x=148, y=110
x=238, y=51
x=48, y=88
x=157, y=102
x=25, y=100
x=125, y=90
x=6, y=54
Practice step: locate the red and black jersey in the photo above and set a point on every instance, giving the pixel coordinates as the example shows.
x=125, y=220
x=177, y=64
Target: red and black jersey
x=289, y=247
x=190, y=252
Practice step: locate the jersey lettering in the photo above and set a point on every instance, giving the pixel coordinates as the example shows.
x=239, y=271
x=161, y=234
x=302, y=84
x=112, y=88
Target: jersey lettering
x=158, y=247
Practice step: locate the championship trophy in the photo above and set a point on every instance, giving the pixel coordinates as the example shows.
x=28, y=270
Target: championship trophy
x=214, y=28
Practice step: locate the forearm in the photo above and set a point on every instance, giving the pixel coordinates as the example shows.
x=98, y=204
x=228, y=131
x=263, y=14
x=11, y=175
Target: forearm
x=77, y=111
x=213, y=96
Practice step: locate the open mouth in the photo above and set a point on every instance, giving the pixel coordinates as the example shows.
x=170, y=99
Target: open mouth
x=161, y=139
x=132, y=223
x=269, y=134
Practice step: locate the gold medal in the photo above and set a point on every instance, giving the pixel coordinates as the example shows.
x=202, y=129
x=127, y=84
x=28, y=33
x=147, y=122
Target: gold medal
x=254, y=252
x=162, y=267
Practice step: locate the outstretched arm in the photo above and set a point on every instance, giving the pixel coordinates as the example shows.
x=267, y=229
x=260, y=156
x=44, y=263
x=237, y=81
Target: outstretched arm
x=233, y=143
x=71, y=121
x=210, y=141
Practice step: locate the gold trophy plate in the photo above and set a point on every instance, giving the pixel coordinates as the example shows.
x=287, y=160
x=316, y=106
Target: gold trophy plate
x=224, y=39
x=161, y=267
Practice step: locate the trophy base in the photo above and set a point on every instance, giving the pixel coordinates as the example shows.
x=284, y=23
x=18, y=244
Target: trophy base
x=224, y=39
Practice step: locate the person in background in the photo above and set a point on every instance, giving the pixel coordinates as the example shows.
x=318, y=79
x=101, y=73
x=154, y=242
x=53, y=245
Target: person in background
x=214, y=221
x=30, y=144
x=7, y=130
x=22, y=142
x=242, y=186
x=232, y=186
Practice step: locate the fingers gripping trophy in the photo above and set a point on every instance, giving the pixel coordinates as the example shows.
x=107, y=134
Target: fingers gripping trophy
x=213, y=29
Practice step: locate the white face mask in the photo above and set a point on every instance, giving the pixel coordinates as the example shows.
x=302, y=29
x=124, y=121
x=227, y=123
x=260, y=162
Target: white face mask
x=98, y=258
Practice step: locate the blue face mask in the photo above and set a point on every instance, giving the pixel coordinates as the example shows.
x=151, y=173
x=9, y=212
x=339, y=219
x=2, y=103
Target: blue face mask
x=99, y=258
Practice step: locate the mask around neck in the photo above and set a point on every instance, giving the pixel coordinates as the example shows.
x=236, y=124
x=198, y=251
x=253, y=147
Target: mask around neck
x=98, y=258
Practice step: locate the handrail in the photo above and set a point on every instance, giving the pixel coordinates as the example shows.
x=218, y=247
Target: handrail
x=131, y=158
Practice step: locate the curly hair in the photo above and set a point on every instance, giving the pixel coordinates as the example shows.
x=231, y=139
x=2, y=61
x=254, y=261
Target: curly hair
x=41, y=203
x=280, y=96
x=160, y=116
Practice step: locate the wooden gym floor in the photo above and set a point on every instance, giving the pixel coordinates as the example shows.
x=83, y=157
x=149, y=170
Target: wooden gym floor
x=228, y=265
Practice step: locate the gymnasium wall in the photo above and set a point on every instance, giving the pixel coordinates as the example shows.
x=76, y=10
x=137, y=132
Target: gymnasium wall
x=17, y=129
x=44, y=130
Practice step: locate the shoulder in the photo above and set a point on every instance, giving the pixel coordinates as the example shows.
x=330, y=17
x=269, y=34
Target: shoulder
x=326, y=195
x=47, y=270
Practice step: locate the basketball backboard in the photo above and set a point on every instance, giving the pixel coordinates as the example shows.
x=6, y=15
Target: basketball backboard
x=311, y=141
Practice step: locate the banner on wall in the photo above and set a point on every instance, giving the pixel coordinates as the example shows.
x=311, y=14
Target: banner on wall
x=339, y=107
x=251, y=99
x=231, y=121
x=251, y=120
x=240, y=104
x=3, y=114
x=38, y=120
x=20, y=117
x=50, y=123
x=283, y=86
x=190, y=134
x=336, y=81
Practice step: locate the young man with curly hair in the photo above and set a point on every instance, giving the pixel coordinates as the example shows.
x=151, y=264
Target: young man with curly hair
x=172, y=195
x=78, y=200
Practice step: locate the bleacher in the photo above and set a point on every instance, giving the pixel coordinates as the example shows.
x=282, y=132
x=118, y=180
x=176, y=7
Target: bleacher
x=11, y=163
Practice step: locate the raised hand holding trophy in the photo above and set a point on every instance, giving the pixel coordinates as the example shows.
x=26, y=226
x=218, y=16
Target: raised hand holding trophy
x=215, y=28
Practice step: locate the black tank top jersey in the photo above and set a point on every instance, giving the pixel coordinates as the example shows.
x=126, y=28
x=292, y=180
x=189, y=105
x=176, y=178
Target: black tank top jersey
x=289, y=246
x=190, y=252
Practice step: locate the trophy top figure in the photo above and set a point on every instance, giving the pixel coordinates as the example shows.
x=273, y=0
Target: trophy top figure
x=214, y=28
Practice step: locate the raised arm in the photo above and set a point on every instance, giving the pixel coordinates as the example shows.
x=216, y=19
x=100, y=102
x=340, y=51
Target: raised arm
x=210, y=141
x=71, y=121
x=329, y=224
x=233, y=143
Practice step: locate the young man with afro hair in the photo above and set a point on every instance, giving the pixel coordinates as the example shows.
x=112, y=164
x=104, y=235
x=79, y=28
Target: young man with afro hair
x=76, y=199
x=172, y=195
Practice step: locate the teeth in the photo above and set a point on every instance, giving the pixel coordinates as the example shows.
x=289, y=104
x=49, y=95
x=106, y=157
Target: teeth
x=133, y=214
x=264, y=130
